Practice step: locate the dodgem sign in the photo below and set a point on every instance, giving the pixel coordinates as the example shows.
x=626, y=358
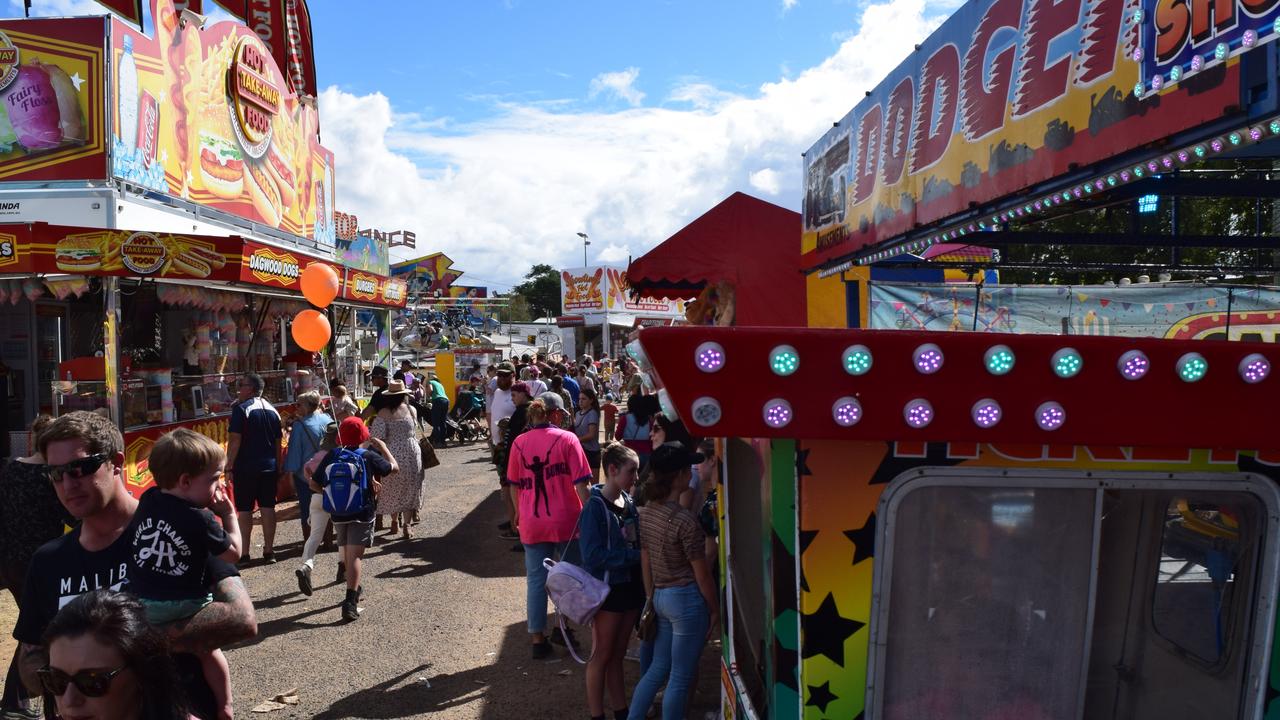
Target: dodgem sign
x=1004, y=95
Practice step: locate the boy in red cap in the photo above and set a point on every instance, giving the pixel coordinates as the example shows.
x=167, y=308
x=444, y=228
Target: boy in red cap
x=354, y=529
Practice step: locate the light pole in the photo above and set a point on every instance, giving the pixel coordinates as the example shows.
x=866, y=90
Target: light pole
x=585, y=243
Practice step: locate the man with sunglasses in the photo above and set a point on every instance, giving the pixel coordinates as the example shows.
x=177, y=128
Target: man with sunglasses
x=85, y=452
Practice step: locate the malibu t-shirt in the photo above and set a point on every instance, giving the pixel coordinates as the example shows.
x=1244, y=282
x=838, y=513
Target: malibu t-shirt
x=546, y=463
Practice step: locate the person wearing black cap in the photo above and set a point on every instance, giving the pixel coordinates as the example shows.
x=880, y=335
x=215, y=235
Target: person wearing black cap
x=678, y=581
x=377, y=376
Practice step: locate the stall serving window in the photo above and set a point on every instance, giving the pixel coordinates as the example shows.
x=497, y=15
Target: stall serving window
x=1060, y=596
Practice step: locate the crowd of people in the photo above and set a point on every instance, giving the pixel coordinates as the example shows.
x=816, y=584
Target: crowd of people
x=125, y=603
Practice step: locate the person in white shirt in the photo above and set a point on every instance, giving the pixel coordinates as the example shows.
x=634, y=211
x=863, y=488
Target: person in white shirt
x=500, y=407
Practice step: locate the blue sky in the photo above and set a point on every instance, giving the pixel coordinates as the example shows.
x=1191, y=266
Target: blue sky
x=499, y=129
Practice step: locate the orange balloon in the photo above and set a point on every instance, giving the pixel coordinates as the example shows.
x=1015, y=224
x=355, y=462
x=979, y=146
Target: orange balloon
x=311, y=330
x=319, y=284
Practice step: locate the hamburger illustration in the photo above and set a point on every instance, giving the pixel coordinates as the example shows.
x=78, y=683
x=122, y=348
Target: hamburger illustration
x=221, y=166
x=78, y=255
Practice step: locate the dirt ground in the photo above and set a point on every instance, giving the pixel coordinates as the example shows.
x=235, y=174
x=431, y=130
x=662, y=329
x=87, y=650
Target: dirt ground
x=442, y=634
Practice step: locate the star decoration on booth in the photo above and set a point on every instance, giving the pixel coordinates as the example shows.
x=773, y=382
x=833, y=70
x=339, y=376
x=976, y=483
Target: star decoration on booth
x=77, y=81
x=824, y=631
x=820, y=696
x=806, y=539
x=788, y=667
x=863, y=539
x=802, y=463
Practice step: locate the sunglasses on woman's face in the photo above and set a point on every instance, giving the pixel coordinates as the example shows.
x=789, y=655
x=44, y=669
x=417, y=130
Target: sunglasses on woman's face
x=90, y=683
x=78, y=468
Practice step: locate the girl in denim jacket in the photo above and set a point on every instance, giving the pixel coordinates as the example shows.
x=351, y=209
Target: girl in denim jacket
x=610, y=542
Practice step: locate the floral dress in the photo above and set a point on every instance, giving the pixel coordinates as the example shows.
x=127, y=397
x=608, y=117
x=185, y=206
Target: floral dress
x=401, y=492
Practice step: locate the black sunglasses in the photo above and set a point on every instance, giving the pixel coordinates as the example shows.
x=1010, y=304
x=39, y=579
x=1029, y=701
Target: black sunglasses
x=77, y=468
x=90, y=683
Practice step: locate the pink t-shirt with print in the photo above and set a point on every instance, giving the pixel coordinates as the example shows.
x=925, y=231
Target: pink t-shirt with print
x=545, y=464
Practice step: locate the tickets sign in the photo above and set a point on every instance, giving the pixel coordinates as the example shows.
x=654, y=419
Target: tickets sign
x=52, y=92
x=205, y=115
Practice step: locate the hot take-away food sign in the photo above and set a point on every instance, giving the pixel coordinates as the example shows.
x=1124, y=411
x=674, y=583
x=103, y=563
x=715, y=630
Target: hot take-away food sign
x=206, y=115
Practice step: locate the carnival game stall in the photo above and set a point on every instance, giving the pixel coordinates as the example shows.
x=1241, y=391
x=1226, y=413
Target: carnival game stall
x=965, y=525
x=736, y=264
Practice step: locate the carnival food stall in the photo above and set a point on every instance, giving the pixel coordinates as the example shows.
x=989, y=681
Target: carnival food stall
x=162, y=197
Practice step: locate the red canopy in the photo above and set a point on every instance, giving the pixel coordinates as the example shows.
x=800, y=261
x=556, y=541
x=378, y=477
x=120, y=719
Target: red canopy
x=751, y=244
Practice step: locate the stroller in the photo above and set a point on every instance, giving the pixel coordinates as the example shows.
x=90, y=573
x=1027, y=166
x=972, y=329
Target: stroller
x=466, y=420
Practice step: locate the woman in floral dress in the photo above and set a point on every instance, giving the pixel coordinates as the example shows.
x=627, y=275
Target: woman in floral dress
x=395, y=424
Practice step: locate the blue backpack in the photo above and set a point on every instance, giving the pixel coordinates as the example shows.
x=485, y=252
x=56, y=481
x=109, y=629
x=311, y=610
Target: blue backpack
x=346, y=490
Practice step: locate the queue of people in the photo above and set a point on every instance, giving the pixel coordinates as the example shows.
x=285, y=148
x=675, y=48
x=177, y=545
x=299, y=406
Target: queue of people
x=646, y=528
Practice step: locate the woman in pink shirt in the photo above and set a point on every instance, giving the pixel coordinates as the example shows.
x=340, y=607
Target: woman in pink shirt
x=552, y=479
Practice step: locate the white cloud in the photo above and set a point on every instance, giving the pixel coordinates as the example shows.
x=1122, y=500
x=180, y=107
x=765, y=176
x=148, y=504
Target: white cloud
x=788, y=4
x=621, y=84
x=767, y=181
x=500, y=195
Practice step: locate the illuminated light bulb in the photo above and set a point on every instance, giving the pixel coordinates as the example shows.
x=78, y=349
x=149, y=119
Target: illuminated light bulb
x=1138, y=88
x=1249, y=38
x=1192, y=367
x=1139, y=171
x=1199, y=151
x=1275, y=28
x=1220, y=52
x=1067, y=363
x=1111, y=180
x=1088, y=189
x=1099, y=184
x=706, y=411
x=1038, y=205
x=856, y=360
x=1183, y=156
x=1153, y=166
x=928, y=358
x=1255, y=133
x=1137, y=54
x=784, y=360
x=986, y=413
x=999, y=359
x=1175, y=73
x=1137, y=16
x=1124, y=176
x=1234, y=138
x=1133, y=364
x=1254, y=368
x=1066, y=196
x=918, y=413
x=1216, y=145
x=709, y=357
x=1050, y=416
x=846, y=411
x=1077, y=191
x=1197, y=63
x=1274, y=127
x=777, y=413
x=1167, y=162
x=1157, y=82
x=1027, y=208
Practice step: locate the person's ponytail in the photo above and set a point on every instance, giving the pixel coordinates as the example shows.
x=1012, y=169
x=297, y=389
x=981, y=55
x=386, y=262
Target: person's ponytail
x=536, y=413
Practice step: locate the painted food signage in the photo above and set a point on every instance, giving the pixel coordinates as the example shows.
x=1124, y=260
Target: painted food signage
x=120, y=252
x=271, y=266
x=582, y=289
x=205, y=115
x=1004, y=95
x=51, y=100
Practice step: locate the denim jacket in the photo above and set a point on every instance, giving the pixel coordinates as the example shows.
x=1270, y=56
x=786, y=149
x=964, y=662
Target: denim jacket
x=603, y=539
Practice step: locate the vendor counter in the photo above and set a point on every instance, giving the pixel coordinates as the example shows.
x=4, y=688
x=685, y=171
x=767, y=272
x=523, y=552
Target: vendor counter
x=154, y=402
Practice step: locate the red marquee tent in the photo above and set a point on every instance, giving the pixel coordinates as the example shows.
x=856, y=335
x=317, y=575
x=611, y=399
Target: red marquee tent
x=751, y=244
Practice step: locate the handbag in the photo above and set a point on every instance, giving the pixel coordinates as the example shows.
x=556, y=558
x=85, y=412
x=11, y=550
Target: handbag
x=576, y=593
x=429, y=459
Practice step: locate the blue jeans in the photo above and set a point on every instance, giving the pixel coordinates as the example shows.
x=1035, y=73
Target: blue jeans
x=303, y=491
x=439, y=420
x=535, y=574
x=682, y=631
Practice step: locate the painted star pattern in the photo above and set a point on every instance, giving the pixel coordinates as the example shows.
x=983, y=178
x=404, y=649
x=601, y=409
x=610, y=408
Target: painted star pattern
x=77, y=81
x=820, y=696
x=864, y=539
x=825, y=630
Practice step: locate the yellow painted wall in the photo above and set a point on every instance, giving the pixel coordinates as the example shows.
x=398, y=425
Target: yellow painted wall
x=826, y=298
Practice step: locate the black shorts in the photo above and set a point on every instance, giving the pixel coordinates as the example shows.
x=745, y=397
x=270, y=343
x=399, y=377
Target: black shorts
x=625, y=597
x=593, y=459
x=254, y=488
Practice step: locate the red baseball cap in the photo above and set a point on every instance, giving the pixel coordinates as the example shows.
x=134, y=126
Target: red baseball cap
x=352, y=431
